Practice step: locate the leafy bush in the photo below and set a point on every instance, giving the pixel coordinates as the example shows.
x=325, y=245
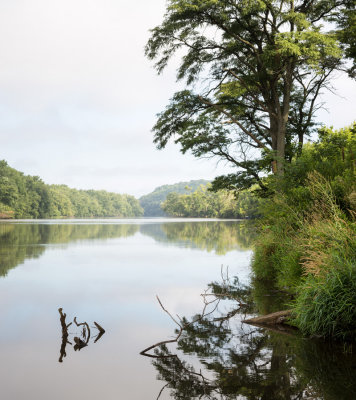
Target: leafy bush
x=307, y=241
x=326, y=304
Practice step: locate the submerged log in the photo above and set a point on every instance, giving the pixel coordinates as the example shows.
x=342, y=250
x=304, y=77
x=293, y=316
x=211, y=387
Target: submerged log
x=276, y=318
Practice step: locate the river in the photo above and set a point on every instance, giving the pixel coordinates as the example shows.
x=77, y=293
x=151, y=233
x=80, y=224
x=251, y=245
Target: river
x=109, y=272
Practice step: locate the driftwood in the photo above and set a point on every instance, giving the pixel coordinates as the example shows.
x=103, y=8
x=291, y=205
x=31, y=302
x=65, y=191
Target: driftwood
x=84, y=333
x=101, y=331
x=276, y=318
x=79, y=342
x=64, y=334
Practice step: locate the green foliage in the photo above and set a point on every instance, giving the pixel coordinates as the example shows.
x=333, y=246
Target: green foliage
x=346, y=21
x=151, y=203
x=24, y=196
x=258, y=68
x=203, y=203
x=307, y=242
x=6, y=211
x=326, y=305
x=277, y=254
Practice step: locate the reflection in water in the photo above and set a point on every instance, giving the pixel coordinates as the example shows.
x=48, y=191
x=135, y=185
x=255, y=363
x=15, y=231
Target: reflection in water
x=114, y=278
x=80, y=341
x=238, y=361
x=22, y=241
x=220, y=236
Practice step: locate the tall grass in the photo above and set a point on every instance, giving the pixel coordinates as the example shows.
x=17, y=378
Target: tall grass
x=312, y=253
x=326, y=305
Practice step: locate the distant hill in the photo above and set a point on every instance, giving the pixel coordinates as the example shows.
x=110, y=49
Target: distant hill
x=151, y=203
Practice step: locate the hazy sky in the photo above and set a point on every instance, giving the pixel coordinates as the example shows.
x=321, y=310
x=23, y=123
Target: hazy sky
x=78, y=98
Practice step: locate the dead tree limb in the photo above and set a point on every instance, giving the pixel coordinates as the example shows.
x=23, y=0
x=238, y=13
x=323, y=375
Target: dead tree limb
x=87, y=326
x=64, y=334
x=101, y=331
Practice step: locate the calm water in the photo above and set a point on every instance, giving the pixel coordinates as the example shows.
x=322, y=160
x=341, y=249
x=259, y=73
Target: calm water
x=110, y=271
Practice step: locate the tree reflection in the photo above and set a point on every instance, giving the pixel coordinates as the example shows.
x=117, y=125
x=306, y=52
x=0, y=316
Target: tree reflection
x=19, y=242
x=218, y=357
x=218, y=236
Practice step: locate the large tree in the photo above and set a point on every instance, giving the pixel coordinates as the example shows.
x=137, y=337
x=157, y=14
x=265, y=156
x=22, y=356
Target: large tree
x=346, y=22
x=254, y=70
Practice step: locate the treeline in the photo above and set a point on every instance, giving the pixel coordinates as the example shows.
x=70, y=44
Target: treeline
x=204, y=203
x=307, y=240
x=151, y=202
x=24, y=196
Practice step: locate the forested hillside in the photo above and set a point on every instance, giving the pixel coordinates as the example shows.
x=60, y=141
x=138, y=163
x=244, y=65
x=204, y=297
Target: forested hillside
x=204, y=203
x=24, y=196
x=151, y=202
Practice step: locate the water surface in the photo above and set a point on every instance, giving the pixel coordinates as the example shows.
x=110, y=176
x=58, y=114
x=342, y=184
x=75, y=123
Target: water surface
x=110, y=271
x=107, y=271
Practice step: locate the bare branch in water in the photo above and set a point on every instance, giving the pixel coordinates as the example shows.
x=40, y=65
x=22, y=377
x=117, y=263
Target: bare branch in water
x=173, y=319
x=85, y=333
x=216, y=298
x=161, y=391
x=101, y=331
x=87, y=326
x=64, y=334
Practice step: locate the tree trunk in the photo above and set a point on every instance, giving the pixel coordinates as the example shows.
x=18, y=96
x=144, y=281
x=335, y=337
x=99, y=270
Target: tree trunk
x=281, y=149
x=278, y=136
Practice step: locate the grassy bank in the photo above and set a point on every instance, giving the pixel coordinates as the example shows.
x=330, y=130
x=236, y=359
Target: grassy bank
x=307, y=239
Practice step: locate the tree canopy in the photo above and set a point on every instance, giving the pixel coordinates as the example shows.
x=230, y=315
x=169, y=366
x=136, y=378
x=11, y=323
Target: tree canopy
x=151, y=202
x=203, y=203
x=24, y=196
x=254, y=70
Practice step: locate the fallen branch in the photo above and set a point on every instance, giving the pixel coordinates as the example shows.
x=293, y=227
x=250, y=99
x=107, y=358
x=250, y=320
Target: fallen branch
x=144, y=352
x=64, y=334
x=101, y=331
x=276, y=318
x=87, y=326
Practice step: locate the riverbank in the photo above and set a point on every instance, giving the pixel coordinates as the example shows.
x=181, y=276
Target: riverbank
x=307, y=239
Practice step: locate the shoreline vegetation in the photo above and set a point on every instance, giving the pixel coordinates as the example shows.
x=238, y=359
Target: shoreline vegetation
x=204, y=203
x=306, y=240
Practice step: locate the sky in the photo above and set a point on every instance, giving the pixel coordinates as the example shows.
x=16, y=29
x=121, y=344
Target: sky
x=78, y=98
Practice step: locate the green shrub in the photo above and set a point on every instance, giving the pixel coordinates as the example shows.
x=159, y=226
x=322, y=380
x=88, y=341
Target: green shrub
x=311, y=253
x=326, y=305
x=263, y=259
